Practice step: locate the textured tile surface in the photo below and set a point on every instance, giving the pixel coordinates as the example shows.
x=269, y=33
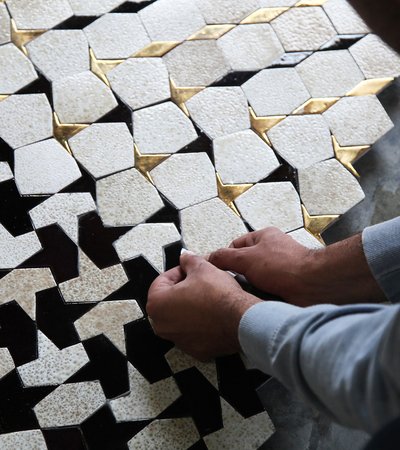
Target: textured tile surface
x=226, y=11
x=6, y=362
x=5, y=172
x=5, y=33
x=305, y=238
x=15, y=250
x=94, y=7
x=344, y=17
x=23, y=440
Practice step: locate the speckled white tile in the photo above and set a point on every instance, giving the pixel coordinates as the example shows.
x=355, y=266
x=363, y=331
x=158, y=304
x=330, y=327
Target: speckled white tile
x=168, y=434
x=273, y=3
x=306, y=239
x=330, y=73
x=94, y=7
x=82, y=98
x=162, y=128
x=226, y=11
x=302, y=140
x=21, y=285
x=109, y=318
x=115, y=36
x=127, y=198
x=251, y=47
x=64, y=210
x=148, y=240
x=44, y=168
x=344, y=18
x=375, y=58
x=6, y=362
x=172, y=20
x=271, y=205
x=145, y=401
x=186, y=179
x=70, y=404
x=220, y=110
x=15, y=250
x=210, y=225
x=16, y=71
x=23, y=440
x=328, y=188
x=275, y=91
x=5, y=172
x=104, y=148
x=60, y=53
x=243, y=157
x=92, y=284
x=141, y=82
x=301, y=29
x=358, y=120
x=5, y=33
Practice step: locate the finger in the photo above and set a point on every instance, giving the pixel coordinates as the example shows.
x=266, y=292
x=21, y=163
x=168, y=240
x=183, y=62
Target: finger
x=232, y=259
x=247, y=240
x=167, y=279
x=191, y=262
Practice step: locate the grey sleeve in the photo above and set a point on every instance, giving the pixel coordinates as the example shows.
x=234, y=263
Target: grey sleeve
x=345, y=361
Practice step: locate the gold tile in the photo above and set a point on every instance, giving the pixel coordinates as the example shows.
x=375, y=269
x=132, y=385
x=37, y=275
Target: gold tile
x=101, y=67
x=156, y=49
x=180, y=95
x=22, y=37
x=316, y=225
x=261, y=125
x=370, y=87
x=64, y=131
x=316, y=105
x=349, y=155
x=146, y=163
x=3, y=97
x=310, y=3
x=228, y=193
x=211, y=32
x=263, y=15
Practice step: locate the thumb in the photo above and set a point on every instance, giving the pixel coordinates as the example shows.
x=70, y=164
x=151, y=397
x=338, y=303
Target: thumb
x=190, y=262
x=232, y=259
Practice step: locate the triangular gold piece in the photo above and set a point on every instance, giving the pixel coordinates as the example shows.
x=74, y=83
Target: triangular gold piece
x=22, y=37
x=180, y=95
x=310, y=3
x=3, y=97
x=263, y=15
x=349, y=155
x=316, y=105
x=101, y=67
x=64, y=131
x=316, y=225
x=211, y=32
x=146, y=163
x=261, y=125
x=370, y=87
x=156, y=49
x=228, y=193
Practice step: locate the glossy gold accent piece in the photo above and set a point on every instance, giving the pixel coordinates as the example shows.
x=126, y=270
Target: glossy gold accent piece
x=370, y=87
x=228, y=193
x=310, y=3
x=156, y=49
x=316, y=225
x=349, y=155
x=180, y=95
x=263, y=15
x=316, y=105
x=146, y=163
x=64, y=131
x=22, y=37
x=260, y=125
x=211, y=32
x=101, y=67
x=3, y=97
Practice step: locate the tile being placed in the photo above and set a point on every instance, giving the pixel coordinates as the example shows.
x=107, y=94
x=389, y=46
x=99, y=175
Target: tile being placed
x=23, y=440
x=210, y=225
x=141, y=82
x=44, y=168
x=60, y=53
x=94, y=7
x=162, y=128
x=126, y=199
x=220, y=110
x=104, y=148
x=6, y=362
x=275, y=91
x=302, y=140
x=70, y=404
x=344, y=18
x=15, y=250
x=5, y=30
x=226, y=11
x=82, y=98
x=243, y=158
x=186, y=179
x=148, y=240
x=16, y=71
x=116, y=36
x=5, y=172
x=328, y=188
x=303, y=237
x=358, y=120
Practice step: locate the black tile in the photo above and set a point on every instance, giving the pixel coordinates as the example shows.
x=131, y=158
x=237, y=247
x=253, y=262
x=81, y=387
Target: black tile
x=86, y=183
x=203, y=144
x=75, y=23
x=178, y=409
x=172, y=255
x=40, y=86
x=69, y=438
x=285, y=172
x=341, y=42
x=168, y=214
x=121, y=113
x=235, y=78
x=6, y=153
x=199, y=446
x=130, y=7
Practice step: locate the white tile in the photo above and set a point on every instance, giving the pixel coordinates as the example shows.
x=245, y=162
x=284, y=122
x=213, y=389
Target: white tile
x=141, y=82
x=94, y=7
x=302, y=140
x=196, y=63
x=5, y=33
x=59, y=53
x=115, y=36
x=243, y=158
x=82, y=98
x=70, y=404
x=92, y=284
x=375, y=58
x=172, y=20
x=358, y=120
x=186, y=179
x=251, y=47
x=275, y=91
x=220, y=110
x=306, y=239
x=330, y=73
x=148, y=240
x=6, y=362
x=344, y=18
x=145, y=400
x=104, y=148
x=328, y=188
x=301, y=29
x=126, y=198
x=15, y=250
x=23, y=440
x=64, y=210
x=274, y=3
x=44, y=168
x=210, y=225
x=5, y=172
x=226, y=11
x=162, y=129
x=109, y=318
x=16, y=71
x=21, y=285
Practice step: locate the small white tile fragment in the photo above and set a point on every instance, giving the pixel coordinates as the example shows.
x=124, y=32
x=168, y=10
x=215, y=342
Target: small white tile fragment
x=23, y=440
x=141, y=82
x=16, y=71
x=210, y=225
x=82, y=98
x=44, y=168
x=6, y=363
x=186, y=179
x=115, y=36
x=344, y=17
x=303, y=237
x=15, y=250
x=127, y=199
x=243, y=157
x=226, y=11
x=5, y=33
x=220, y=110
x=275, y=91
x=104, y=148
x=5, y=172
x=302, y=140
x=358, y=120
x=70, y=404
x=162, y=128
x=328, y=188
x=251, y=47
x=94, y=7
x=60, y=53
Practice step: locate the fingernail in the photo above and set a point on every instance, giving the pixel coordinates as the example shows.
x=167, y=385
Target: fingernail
x=188, y=252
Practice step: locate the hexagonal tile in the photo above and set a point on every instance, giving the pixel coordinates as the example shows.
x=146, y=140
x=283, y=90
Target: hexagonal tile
x=226, y=11
x=344, y=18
x=94, y=7
x=5, y=31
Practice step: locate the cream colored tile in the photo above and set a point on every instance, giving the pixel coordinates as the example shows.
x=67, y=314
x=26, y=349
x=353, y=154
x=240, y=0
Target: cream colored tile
x=226, y=11
x=5, y=31
x=6, y=362
x=5, y=172
x=274, y=3
x=344, y=18
x=94, y=7
x=23, y=440
x=15, y=250
x=305, y=238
